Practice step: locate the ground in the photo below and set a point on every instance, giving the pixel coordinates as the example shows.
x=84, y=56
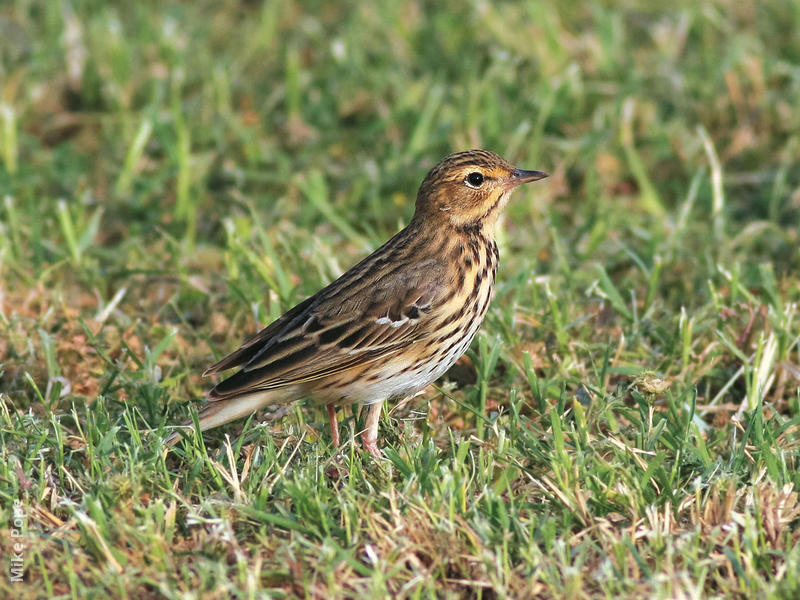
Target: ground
x=174, y=175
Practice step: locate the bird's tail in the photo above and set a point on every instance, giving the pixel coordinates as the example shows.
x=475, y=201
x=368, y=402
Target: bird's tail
x=219, y=412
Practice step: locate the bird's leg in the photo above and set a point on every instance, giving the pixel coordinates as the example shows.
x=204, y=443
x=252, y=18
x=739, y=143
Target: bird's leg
x=334, y=424
x=369, y=437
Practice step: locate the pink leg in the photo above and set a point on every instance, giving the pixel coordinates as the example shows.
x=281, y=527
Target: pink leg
x=369, y=437
x=334, y=425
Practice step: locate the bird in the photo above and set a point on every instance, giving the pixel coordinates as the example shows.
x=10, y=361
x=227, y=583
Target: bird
x=393, y=323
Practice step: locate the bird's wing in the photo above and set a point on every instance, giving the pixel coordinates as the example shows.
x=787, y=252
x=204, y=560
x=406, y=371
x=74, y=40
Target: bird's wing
x=346, y=324
x=253, y=345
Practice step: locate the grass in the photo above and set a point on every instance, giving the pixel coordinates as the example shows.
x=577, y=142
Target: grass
x=174, y=174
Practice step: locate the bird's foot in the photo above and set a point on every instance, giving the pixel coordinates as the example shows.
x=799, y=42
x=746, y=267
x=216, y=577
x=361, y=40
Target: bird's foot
x=371, y=446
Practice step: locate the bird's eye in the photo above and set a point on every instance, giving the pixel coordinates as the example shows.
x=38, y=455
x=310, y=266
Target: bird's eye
x=474, y=179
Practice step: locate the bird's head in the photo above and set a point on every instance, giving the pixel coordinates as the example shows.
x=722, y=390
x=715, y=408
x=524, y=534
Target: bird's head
x=470, y=188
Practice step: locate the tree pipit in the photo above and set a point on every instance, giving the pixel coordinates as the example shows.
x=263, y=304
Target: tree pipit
x=393, y=323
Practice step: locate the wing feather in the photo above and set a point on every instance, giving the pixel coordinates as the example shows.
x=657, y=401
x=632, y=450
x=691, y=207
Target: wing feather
x=326, y=334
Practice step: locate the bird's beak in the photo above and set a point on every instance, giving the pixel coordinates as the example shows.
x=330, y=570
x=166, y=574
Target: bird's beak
x=520, y=176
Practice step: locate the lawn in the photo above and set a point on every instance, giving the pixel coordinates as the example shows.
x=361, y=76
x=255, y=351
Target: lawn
x=174, y=175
